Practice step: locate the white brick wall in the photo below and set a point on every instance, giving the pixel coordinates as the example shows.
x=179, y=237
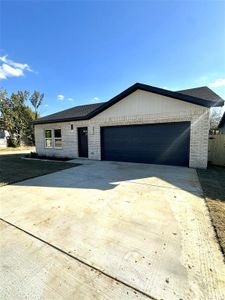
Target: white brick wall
x=197, y=115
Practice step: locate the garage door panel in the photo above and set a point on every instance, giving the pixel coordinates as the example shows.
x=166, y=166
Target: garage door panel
x=166, y=143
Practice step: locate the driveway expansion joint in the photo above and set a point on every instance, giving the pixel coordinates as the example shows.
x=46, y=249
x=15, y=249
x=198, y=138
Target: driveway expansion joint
x=79, y=260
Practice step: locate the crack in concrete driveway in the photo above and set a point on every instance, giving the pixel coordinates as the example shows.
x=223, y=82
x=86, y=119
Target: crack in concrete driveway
x=131, y=288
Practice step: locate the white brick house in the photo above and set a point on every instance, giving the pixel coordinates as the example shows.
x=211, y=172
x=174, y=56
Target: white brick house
x=141, y=124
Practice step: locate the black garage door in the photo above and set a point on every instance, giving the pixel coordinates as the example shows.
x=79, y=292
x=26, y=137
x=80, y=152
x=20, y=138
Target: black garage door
x=166, y=143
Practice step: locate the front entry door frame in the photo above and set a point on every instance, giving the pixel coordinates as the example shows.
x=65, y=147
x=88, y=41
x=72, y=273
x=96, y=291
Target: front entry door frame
x=82, y=133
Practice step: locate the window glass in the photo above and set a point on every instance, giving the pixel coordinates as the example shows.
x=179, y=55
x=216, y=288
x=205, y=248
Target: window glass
x=48, y=143
x=58, y=143
x=48, y=138
x=57, y=138
x=57, y=133
x=2, y=134
x=48, y=133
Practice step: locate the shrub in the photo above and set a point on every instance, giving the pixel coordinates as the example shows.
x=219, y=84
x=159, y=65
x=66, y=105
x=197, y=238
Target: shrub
x=35, y=155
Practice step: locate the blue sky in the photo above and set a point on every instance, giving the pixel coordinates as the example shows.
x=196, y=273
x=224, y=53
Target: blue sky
x=89, y=51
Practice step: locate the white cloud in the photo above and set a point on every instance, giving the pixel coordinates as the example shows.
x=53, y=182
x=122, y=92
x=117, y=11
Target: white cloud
x=60, y=97
x=46, y=105
x=2, y=74
x=9, y=71
x=15, y=64
x=96, y=99
x=9, y=68
x=218, y=82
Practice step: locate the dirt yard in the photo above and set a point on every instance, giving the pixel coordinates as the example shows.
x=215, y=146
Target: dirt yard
x=14, y=168
x=213, y=185
x=17, y=149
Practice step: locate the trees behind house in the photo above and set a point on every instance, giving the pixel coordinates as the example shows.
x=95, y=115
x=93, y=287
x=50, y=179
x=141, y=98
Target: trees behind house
x=36, y=100
x=17, y=115
x=215, y=116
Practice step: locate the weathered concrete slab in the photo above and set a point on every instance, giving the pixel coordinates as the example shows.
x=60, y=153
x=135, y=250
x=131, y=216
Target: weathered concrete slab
x=33, y=270
x=146, y=225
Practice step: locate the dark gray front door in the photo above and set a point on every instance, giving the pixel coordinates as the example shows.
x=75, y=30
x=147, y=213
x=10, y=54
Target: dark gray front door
x=83, y=141
x=166, y=143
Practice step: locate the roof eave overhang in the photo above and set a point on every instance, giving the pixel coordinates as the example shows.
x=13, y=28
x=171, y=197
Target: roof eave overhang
x=38, y=122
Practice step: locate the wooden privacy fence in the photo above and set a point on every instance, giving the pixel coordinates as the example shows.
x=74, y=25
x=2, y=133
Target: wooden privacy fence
x=217, y=149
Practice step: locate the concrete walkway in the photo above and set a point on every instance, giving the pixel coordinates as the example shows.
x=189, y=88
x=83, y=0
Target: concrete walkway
x=109, y=230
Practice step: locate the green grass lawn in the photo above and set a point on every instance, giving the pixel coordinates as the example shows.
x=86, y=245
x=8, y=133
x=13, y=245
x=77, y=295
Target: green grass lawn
x=14, y=169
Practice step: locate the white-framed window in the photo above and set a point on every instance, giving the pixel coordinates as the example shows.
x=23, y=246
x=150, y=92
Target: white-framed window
x=48, y=138
x=57, y=138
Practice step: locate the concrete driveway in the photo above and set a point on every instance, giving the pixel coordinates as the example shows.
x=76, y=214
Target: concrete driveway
x=108, y=230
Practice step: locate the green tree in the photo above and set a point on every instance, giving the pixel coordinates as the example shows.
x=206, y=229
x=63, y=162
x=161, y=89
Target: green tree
x=36, y=100
x=16, y=116
x=215, y=116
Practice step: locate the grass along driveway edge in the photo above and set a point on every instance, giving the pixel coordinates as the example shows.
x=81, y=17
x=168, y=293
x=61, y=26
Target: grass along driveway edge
x=212, y=182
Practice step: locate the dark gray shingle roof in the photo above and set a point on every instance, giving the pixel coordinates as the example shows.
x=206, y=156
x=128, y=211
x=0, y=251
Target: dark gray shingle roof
x=202, y=92
x=200, y=96
x=77, y=112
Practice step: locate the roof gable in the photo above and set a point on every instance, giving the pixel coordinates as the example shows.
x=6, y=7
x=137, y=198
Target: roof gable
x=86, y=112
x=183, y=96
x=142, y=103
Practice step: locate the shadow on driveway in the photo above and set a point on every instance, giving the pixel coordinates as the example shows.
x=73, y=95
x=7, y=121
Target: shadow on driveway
x=105, y=175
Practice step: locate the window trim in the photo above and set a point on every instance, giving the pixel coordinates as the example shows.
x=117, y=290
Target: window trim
x=53, y=138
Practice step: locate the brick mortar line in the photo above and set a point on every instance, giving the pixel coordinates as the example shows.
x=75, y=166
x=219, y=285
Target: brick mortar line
x=80, y=261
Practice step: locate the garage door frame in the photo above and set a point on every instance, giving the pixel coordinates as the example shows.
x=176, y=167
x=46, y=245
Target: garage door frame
x=142, y=124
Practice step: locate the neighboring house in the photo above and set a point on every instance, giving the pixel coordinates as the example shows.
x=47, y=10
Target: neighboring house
x=3, y=140
x=221, y=125
x=3, y=135
x=142, y=124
